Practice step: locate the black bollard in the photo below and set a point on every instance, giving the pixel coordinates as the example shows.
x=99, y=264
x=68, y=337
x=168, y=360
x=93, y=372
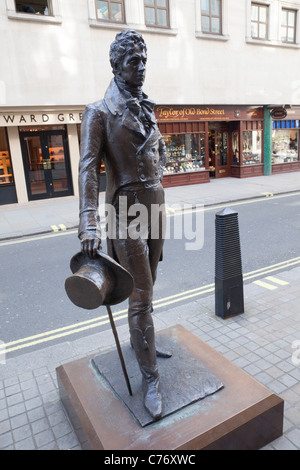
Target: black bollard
x=229, y=295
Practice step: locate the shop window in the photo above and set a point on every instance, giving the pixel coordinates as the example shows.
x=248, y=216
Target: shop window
x=288, y=25
x=222, y=148
x=285, y=146
x=40, y=11
x=211, y=16
x=235, y=148
x=186, y=153
x=109, y=10
x=259, y=21
x=36, y=7
x=6, y=175
x=252, y=147
x=157, y=13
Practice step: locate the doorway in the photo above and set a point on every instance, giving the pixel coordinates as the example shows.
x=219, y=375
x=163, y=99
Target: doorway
x=218, y=143
x=46, y=163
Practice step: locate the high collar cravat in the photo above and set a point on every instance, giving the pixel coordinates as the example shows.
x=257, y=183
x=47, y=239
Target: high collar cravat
x=137, y=102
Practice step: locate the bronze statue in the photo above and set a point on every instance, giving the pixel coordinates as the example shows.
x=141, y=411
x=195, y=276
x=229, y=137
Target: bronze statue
x=121, y=130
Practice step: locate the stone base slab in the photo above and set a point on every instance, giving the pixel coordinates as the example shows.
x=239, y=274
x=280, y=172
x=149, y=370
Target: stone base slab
x=242, y=415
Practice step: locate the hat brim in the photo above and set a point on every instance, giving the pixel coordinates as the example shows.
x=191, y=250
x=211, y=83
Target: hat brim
x=123, y=284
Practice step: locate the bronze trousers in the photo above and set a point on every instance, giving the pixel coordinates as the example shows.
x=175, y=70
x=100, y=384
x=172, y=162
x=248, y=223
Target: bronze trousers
x=140, y=226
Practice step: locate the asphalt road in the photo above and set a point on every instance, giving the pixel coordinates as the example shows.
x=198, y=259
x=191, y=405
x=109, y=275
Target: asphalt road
x=33, y=271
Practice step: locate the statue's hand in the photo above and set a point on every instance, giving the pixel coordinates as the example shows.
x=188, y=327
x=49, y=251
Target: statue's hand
x=90, y=244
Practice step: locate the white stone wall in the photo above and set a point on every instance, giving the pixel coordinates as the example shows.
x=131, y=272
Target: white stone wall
x=63, y=61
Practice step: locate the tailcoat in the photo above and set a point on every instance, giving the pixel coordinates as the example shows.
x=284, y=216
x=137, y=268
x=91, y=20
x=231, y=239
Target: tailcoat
x=113, y=132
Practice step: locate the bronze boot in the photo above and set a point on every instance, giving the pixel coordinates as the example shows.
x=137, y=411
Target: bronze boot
x=144, y=345
x=159, y=352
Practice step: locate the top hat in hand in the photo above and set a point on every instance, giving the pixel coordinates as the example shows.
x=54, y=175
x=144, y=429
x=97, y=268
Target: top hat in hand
x=97, y=281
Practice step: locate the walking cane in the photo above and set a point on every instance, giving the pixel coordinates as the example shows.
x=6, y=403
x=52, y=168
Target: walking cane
x=113, y=326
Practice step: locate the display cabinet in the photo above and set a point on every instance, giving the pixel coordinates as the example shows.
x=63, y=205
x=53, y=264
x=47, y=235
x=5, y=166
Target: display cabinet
x=5, y=168
x=185, y=159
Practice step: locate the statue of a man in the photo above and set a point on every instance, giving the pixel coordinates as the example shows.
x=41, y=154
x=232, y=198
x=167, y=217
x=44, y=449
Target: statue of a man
x=121, y=130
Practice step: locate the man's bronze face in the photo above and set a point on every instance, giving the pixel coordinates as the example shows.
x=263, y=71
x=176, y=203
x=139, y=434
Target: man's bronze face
x=133, y=69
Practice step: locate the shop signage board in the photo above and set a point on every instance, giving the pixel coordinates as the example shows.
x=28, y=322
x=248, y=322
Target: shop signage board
x=278, y=113
x=165, y=113
x=40, y=118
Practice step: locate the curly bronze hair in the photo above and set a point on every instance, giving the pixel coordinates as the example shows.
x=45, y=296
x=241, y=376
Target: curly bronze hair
x=124, y=43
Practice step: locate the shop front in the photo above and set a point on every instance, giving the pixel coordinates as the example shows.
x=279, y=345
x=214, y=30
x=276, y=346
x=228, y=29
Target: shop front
x=285, y=143
x=7, y=185
x=205, y=142
x=39, y=150
x=39, y=154
x=46, y=162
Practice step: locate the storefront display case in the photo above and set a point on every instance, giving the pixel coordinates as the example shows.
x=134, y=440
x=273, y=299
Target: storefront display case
x=247, y=147
x=285, y=147
x=186, y=153
x=187, y=156
x=7, y=186
x=252, y=147
x=186, y=159
x=5, y=168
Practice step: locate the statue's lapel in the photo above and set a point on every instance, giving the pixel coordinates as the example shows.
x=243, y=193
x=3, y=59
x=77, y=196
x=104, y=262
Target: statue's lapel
x=127, y=109
x=132, y=122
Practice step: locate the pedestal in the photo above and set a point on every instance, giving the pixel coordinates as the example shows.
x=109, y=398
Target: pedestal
x=240, y=414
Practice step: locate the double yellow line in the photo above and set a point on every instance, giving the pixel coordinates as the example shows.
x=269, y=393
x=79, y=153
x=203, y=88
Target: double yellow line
x=59, y=333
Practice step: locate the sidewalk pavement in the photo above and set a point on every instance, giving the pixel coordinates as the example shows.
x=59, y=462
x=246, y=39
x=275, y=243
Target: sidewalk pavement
x=264, y=341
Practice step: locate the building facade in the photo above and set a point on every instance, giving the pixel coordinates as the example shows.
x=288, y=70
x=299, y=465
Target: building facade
x=225, y=75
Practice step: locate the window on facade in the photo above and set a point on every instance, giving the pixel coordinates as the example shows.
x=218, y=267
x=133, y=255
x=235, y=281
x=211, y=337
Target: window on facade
x=288, y=25
x=222, y=148
x=251, y=147
x=5, y=162
x=37, y=7
x=235, y=148
x=110, y=10
x=285, y=146
x=211, y=16
x=186, y=152
x=259, y=21
x=157, y=13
